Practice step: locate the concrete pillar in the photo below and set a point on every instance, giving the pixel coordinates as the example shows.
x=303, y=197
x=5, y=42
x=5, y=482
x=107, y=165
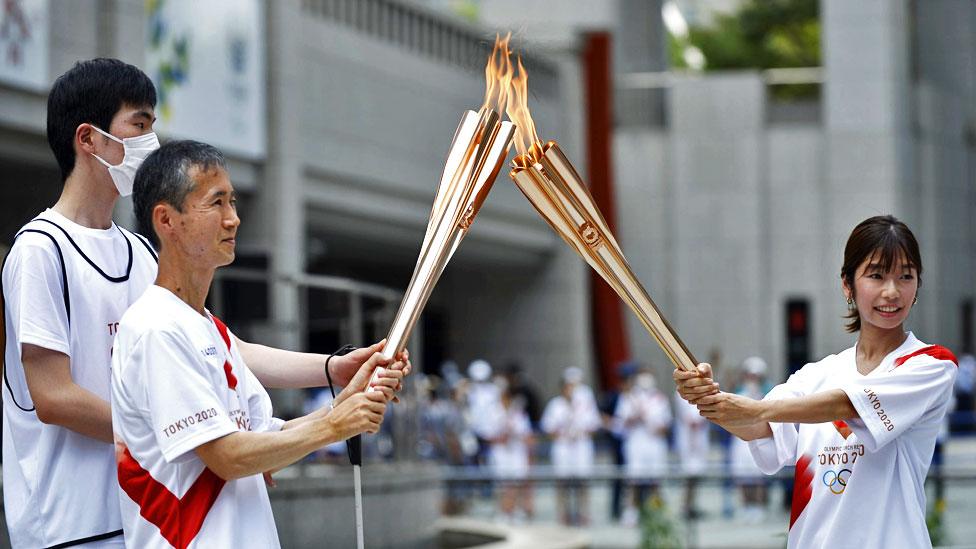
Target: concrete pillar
x=281, y=194
x=720, y=281
x=867, y=134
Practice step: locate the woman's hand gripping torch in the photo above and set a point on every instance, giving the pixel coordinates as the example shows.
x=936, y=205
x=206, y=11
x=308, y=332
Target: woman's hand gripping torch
x=480, y=145
x=547, y=178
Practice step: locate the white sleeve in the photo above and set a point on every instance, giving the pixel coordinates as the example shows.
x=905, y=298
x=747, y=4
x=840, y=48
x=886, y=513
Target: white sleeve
x=773, y=453
x=893, y=403
x=259, y=406
x=523, y=427
x=553, y=417
x=185, y=408
x=590, y=419
x=657, y=414
x=493, y=420
x=33, y=288
x=686, y=412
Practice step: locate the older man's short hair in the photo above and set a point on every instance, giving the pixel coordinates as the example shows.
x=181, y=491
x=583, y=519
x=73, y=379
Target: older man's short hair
x=164, y=179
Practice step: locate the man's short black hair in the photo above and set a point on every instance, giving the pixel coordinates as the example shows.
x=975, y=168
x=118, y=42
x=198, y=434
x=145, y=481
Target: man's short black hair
x=92, y=92
x=164, y=178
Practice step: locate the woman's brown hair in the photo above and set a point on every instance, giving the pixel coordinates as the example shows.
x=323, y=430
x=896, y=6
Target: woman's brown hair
x=883, y=237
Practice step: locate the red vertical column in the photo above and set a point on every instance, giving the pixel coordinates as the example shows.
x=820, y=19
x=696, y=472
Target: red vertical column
x=609, y=334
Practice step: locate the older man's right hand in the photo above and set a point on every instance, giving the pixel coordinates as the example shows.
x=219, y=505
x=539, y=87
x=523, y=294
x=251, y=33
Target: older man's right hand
x=359, y=413
x=695, y=385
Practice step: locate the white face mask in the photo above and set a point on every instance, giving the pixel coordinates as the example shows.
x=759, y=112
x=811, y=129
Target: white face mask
x=136, y=149
x=645, y=382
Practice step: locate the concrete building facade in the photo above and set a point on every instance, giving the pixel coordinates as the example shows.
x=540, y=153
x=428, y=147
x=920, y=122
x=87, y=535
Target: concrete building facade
x=729, y=212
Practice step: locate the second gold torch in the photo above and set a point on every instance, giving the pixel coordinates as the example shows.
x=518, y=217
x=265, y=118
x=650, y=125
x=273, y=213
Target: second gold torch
x=547, y=178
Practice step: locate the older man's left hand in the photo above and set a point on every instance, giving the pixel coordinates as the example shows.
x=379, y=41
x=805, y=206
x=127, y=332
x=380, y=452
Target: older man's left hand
x=343, y=368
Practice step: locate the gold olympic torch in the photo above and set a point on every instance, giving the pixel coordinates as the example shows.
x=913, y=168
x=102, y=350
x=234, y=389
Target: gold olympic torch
x=481, y=144
x=547, y=178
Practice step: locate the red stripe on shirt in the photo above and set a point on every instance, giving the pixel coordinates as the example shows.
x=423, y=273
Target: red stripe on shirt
x=228, y=370
x=937, y=352
x=178, y=519
x=802, y=487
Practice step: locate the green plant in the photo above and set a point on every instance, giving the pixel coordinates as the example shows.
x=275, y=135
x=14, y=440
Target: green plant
x=658, y=528
x=761, y=34
x=934, y=520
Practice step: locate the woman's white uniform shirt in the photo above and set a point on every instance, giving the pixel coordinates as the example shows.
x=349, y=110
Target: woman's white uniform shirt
x=861, y=484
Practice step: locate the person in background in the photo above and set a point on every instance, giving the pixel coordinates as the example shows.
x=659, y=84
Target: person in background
x=521, y=387
x=691, y=442
x=442, y=435
x=744, y=470
x=482, y=394
x=317, y=398
x=509, y=454
x=965, y=391
x=570, y=419
x=626, y=370
x=643, y=418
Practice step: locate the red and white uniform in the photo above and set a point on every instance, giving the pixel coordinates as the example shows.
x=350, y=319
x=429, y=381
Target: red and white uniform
x=65, y=288
x=861, y=484
x=178, y=381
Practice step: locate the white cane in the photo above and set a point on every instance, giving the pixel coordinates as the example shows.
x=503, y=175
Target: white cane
x=354, y=447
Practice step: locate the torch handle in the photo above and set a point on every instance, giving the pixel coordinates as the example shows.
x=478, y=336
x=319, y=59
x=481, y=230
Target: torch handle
x=558, y=193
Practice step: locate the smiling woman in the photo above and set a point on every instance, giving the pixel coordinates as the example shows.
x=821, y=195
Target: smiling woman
x=882, y=272
x=860, y=426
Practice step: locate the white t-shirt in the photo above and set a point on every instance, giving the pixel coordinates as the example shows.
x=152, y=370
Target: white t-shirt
x=509, y=430
x=690, y=437
x=178, y=381
x=861, y=484
x=571, y=424
x=482, y=395
x=59, y=486
x=640, y=417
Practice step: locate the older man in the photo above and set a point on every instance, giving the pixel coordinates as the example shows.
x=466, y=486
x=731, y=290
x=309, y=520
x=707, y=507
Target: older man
x=194, y=430
x=68, y=278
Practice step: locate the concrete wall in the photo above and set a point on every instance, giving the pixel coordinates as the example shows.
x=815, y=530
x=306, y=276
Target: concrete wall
x=943, y=185
x=401, y=506
x=726, y=215
x=866, y=123
x=719, y=161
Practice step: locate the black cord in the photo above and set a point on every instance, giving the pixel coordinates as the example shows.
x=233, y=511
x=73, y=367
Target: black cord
x=344, y=350
x=354, y=445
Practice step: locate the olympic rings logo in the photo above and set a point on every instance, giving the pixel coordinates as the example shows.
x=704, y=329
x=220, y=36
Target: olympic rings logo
x=837, y=481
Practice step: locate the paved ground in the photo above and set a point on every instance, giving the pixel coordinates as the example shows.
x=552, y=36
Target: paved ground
x=716, y=530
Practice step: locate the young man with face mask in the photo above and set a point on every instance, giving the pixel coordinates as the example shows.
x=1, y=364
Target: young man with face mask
x=68, y=278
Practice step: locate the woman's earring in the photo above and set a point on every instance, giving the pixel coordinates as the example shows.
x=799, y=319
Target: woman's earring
x=914, y=301
x=850, y=304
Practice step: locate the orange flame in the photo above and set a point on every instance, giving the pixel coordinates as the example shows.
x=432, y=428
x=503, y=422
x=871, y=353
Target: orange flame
x=498, y=75
x=526, y=138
